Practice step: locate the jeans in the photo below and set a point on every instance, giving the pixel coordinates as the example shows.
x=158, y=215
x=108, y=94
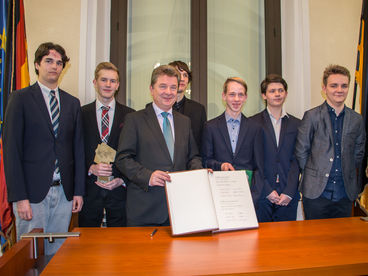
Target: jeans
x=52, y=214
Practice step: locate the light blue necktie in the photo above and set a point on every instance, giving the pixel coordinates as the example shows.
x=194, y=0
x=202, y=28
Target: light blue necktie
x=168, y=135
x=55, y=114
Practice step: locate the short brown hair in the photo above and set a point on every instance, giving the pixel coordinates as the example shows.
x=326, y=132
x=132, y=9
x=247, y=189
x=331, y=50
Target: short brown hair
x=272, y=78
x=182, y=67
x=45, y=48
x=106, y=66
x=167, y=70
x=235, y=79
x=335, y=69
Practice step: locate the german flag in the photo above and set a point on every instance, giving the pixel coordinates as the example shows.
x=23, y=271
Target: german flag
x=14, y=76
x=361, y=74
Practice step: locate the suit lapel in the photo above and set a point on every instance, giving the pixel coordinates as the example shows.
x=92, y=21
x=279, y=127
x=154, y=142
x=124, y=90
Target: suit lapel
x=222, y=126
x=242, y=133
x=345, y=126
x=327, y=122
x=284, y=125
x=269, y=127
x=40, y=102
x=179, y=135
x=63, y=111
x=115, y=123
x=93, y=122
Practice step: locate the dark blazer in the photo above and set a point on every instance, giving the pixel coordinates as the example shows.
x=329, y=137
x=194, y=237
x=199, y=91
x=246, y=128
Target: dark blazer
x=30, y=147
x=216, y=149
x=142, y=150
x=197, y=114
x=314, y=151
x=279, y=160
x=92, y=139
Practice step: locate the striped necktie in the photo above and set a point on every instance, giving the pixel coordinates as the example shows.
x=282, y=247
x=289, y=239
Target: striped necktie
x=168, y=135
x=105, y=124
x=55, y=115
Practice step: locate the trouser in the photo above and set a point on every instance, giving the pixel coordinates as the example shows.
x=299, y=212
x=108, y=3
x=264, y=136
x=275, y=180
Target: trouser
x=52, y=214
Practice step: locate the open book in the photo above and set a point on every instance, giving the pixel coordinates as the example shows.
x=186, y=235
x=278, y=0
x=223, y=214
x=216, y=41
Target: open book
x=200, y=201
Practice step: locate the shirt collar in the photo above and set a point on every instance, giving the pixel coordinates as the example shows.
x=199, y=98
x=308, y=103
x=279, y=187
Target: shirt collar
x=283, y=113
x=111, y=104
x=158, y=110
x=331, y=109
x=228, y=117
x=47, y=90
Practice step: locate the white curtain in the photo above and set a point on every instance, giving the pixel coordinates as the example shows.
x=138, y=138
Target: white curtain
x=296, y=68
x=94, y=44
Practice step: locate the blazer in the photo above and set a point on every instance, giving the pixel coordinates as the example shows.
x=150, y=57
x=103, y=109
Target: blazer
x=216, y=149
x=315, y=152
x=279, y=160
x=197, y=114
x=142, y=150
x=30, y=147
x=92, y=139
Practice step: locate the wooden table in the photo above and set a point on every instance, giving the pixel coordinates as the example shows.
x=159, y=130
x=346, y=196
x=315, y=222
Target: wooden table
x=278, y=248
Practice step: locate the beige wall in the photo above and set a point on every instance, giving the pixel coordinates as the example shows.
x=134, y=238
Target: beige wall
x=59, y=22
x=334, y=32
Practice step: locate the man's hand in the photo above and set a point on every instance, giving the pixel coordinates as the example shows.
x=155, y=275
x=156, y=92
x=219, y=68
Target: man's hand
x=24, y=209
x=101, y=169
x=77, y=204
x=158, y=178
x=227, y=167
x=111, y=185
x=284, y=200
x=273, y=197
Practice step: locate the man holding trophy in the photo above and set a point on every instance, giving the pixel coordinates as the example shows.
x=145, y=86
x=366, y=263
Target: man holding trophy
x=102, y=123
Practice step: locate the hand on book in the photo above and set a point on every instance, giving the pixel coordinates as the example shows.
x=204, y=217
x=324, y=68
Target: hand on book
x=158, y=178
x=100, y=169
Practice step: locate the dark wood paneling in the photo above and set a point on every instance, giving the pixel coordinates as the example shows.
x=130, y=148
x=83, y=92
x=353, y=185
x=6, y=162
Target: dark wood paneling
x=118, y=44
x=199, y=50
x=273, y=37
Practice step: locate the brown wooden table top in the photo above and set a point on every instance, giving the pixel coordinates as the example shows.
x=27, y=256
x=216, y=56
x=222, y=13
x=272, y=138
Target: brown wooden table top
x=277, y=248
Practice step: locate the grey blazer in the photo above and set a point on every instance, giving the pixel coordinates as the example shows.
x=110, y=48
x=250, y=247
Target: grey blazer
x=314, y=151
x=142, y=150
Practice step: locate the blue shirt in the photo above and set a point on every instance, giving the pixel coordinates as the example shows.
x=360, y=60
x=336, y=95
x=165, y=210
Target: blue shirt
x=335, y=189
x=233, y=125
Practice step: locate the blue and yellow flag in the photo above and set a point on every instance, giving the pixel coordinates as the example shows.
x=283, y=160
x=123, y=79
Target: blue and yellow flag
x=361, y=76
x=14, y=76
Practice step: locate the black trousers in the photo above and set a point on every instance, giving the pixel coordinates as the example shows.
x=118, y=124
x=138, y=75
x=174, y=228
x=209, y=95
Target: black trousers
x=113, y=202
x=321, y=208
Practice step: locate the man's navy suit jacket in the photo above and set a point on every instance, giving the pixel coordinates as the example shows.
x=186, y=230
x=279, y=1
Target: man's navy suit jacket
x=279, y=160
x=30, y=147
x=216, y=148
x=92, y=139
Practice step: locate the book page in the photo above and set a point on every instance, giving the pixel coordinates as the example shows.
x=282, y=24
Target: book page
x=233, y=200
x=190, y=202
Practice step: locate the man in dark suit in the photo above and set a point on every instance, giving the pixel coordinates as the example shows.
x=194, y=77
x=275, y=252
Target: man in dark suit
x=330, y=149
x=280, y=196
x=102, y=123
x=153, y=142
x=231, y=141
x=43, y=150
x=194, y=110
